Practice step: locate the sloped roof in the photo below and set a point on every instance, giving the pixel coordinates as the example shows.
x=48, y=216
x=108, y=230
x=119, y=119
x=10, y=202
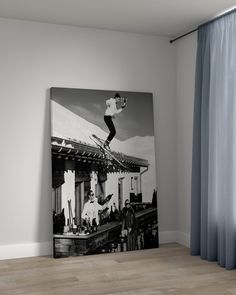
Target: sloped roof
x=82, y=151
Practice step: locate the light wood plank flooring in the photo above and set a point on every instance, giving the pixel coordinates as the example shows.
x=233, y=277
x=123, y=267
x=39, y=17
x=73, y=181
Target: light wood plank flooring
x=169, y=270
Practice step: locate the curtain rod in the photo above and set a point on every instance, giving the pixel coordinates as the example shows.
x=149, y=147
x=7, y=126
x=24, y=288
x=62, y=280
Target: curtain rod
x=206, y=23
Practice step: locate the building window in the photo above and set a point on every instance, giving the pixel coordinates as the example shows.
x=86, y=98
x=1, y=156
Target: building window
x=57, y=200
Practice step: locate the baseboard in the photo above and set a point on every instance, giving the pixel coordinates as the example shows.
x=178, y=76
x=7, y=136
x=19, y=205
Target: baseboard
x=167, y=237
x=179, y=237
x=183, y=239
x=45, y=248
x=25, y=250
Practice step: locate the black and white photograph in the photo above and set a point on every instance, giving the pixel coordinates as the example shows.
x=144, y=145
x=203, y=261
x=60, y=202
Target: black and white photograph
x=104, y=194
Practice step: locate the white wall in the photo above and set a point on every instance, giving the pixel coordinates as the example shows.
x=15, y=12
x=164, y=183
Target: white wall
x=185, y=79
x=35, y=57
x=112, y=186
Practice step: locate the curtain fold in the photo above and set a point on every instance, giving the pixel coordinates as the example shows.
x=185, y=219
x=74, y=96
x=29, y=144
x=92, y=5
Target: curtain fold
x=213, y=203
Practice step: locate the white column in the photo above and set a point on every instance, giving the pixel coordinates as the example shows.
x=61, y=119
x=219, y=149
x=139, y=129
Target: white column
x=94, y=181
x=68, y=188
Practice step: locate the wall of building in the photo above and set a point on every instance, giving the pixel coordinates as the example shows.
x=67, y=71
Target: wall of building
x=185, y=75
x=37, y=56
x=112, y=185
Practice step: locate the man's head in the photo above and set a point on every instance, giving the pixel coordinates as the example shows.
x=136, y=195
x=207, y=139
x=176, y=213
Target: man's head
x=117, y=97
x=127, y=203
x=91, y=195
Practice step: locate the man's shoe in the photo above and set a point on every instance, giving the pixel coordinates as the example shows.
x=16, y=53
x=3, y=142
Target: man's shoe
x=106, y=145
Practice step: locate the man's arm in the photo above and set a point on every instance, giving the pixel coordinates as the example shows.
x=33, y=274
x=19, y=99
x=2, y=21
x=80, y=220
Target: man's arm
x=123, y=105
x=108, y=102
x=123, y=231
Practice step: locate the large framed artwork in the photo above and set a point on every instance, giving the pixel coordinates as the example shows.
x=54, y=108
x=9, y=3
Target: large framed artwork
x=104, y=196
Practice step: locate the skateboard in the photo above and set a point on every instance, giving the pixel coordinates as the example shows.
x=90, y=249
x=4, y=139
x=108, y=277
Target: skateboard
x=99, y=142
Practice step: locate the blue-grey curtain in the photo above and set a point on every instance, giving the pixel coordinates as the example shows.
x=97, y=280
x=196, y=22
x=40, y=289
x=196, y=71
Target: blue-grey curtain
x=213, y=205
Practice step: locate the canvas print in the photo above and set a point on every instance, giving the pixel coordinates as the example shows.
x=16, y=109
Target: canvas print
x=104, y=196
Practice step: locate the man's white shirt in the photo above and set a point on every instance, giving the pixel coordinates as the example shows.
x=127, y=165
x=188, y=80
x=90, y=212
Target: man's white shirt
x=91, y=210
x=111, y=109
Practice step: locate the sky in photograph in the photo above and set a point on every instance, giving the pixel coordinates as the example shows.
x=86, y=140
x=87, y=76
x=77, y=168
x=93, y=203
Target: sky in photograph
x=135, y=120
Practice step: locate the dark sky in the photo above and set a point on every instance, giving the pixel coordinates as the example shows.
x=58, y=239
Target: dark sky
x=135, y=120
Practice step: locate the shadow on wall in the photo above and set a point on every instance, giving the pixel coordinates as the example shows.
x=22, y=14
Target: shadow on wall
x=44, y=230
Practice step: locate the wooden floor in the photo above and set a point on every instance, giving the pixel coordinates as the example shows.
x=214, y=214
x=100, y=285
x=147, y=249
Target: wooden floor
x=167, y=270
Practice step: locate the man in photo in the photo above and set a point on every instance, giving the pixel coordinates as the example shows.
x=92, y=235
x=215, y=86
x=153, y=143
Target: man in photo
x=110, y=112
x=129, y=226
x=91, y=208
